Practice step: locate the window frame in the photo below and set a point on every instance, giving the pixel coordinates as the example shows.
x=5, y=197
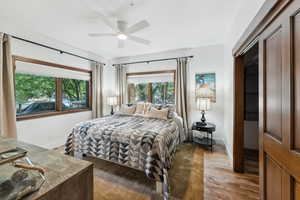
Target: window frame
x=58, y=90
x=149, y=98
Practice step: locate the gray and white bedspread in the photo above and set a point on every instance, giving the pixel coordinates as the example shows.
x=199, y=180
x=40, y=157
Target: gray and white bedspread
x=142, y=143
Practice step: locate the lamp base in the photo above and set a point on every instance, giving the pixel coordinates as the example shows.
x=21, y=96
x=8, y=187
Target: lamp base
x=112, y=110
x=203, y=120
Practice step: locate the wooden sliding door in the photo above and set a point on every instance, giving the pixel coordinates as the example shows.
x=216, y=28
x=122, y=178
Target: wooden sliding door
x=279, y=71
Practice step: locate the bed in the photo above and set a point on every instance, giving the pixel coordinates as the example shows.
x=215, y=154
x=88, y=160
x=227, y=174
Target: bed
x=146, y=144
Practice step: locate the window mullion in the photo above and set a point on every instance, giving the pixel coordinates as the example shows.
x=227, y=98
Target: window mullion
x=58, y=103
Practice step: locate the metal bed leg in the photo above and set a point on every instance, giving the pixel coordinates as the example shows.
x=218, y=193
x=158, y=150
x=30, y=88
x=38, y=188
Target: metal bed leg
x=78, y=155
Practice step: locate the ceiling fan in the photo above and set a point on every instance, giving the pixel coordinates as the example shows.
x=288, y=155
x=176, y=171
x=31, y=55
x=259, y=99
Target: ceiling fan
x=122, y=32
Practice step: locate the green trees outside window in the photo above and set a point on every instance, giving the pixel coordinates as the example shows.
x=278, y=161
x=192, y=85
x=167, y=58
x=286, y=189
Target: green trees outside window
x=34, y=94
x=163, y=93
x=156, y=92
x=40, y=94
x=75, y=93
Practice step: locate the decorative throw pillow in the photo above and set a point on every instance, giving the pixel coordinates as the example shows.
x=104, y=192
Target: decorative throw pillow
x=147, y=107
x=171, y=109
x=128, y=110
x=139, y=109
x=158, y=114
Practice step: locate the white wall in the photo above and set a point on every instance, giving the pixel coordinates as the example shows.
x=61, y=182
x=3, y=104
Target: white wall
x=206, y=59
x=50, y=132
x=108, y=85
x=246, y=13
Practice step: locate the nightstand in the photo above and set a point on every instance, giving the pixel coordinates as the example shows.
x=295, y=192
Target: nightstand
x=205, y=139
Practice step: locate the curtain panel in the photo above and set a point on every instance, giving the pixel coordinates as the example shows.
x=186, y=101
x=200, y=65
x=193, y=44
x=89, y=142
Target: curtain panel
x=121, y=84
x=181, y=93
x=7, y=90
x=97, y=81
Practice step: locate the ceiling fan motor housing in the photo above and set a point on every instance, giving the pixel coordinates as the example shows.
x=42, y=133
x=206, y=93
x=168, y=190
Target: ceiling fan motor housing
x=122, y=25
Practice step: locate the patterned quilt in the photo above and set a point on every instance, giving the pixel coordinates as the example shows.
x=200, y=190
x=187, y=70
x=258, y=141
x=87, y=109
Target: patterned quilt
x=142, y=143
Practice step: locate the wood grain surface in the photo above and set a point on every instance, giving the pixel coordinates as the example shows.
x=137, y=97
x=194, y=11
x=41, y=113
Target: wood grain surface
x=67, y=178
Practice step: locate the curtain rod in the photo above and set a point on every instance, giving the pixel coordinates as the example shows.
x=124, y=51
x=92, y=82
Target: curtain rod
x=149, y=61
x=54, y=49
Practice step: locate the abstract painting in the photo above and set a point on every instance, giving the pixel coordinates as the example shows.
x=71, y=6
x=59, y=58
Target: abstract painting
x=206, y=86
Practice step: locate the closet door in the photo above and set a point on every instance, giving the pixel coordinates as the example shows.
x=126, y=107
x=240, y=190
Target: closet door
x=279, y=71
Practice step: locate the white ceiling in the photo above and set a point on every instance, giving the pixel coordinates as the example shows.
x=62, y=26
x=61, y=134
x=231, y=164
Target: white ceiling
x=174, y=23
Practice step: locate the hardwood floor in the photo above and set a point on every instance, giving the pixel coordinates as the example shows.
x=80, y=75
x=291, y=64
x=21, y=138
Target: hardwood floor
x=221, y=183
x=251, y=162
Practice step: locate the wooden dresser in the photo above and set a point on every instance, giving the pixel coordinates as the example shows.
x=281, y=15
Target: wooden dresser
x=67, y=178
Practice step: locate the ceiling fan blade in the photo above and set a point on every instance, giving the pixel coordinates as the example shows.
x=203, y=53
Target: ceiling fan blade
x=101, y=34
x=139, y=40
x=121, y=43
x=137, y=27
x=107, y=21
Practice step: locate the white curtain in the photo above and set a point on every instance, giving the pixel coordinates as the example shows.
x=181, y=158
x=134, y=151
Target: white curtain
x=121, y=84
x=97, y=80
x=7, y=90
x=181, y=92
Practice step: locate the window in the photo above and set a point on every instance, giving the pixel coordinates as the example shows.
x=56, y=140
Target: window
x=44, y=89
x=34, y=94
x=138, y=92
x=155, y=87
x=75, y=94
x=163, y=93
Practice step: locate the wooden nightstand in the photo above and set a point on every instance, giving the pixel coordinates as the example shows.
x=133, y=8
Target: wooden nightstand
x=206, y=139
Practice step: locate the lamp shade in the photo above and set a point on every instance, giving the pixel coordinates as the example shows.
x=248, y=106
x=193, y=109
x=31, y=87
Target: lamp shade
x=112, y=101
x=203, y=104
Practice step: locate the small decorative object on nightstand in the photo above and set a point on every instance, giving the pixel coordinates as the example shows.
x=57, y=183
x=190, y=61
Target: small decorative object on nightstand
x=206, y=140
x=112, y=101
x=203, y=104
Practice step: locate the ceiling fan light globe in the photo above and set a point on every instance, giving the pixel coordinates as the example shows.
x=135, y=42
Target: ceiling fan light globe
x=122, y=36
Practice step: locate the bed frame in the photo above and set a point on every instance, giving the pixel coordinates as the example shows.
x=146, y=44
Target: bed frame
x=159, y=185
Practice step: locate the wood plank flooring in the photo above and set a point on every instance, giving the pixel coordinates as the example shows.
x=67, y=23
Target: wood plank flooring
x=251, y=162
x=221, y=183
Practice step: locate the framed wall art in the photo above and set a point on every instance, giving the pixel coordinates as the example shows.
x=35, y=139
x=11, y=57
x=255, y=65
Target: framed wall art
x=206, y=86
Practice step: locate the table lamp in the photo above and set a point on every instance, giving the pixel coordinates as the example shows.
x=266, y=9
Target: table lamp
x=203, y=104
x=112, y=101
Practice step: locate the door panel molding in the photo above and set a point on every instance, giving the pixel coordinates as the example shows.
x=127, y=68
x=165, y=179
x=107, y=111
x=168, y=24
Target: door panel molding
x=294, y=22
x=272, y=56
x=285, y=157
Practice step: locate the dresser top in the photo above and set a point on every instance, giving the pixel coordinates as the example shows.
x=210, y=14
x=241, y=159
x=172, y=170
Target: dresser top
x=58, y=167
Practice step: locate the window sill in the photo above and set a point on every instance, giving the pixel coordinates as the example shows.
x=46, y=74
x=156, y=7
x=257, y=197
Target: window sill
x=49, y=114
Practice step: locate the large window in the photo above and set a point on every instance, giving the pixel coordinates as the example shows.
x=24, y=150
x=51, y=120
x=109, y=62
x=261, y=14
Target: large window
x=155, y=87
x=49, y=89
